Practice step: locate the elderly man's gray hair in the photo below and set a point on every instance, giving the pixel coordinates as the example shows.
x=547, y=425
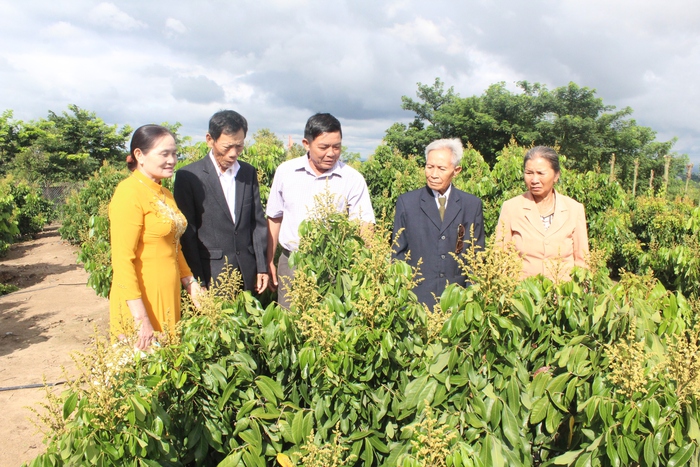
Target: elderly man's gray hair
x=453, y=144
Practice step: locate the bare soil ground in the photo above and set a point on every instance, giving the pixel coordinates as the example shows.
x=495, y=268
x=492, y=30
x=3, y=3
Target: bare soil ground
x=52, y=315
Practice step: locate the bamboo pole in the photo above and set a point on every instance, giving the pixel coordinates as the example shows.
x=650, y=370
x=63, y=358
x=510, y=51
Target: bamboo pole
x=634, y=183
x=651, y=181
x=687, y=177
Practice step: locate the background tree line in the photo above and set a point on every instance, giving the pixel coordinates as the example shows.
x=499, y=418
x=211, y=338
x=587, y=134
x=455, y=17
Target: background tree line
x=571, y=118
x=496, y=128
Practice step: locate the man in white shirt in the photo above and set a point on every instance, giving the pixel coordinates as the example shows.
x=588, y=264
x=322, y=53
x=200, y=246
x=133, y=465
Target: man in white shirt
x=220, y=197
x=298, y=181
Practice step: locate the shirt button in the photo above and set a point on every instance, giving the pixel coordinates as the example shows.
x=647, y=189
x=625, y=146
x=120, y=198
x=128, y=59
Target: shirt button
x=238, y=252
x=442, y=238
x=442, y=256
x=442, y=275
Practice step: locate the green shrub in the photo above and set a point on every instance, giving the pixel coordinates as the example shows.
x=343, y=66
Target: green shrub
x=35, y=211
x=7, y=288
x=586, y=372
x=89, y=201
x=388, y=175
x=9, y=229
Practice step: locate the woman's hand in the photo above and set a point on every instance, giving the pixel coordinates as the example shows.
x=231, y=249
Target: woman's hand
x=194, y=290
x=145, y=335
x=142, y=323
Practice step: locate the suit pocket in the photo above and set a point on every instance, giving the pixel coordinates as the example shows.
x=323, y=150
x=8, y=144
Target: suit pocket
x=212, y=253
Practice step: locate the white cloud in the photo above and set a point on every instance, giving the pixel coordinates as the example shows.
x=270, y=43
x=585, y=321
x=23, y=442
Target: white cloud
x=419, y=31
x=108, y=14
x=175, y=26
x=61, y=30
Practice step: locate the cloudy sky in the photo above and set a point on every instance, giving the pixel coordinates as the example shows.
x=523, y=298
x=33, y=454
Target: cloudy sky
x=279, y=61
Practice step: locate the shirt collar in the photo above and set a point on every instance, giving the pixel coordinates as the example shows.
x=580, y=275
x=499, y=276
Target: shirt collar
x=305, y=164
x=446, y=195
x=231, y=171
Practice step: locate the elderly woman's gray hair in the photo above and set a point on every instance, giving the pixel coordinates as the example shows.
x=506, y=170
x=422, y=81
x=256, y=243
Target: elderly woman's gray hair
x=453, y=144
x=546, y=153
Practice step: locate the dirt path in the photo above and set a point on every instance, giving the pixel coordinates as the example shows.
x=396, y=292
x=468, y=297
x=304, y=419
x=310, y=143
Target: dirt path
x=53, y=314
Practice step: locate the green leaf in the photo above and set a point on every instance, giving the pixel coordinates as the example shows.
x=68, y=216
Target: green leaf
x=612, y=453
x=650, y=454
x=653, y=413
x=693, y=429
x=510, y=426
x=252, y=459
x=682, y=456
x=298, y=428
x=584, y=460
x=496, y=452
x=69, y=405
x=307, y=425
x=419, y=390
x=230, y=387
x=378, y=444
x=139, y=409
x=539, y=410
x=270, y=389
x=440, y=363
x=553, y=419
x=567, y=458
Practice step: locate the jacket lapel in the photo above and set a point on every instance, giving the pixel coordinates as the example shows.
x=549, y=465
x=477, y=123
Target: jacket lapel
x=561, y=214
x=240, y=187
x=428, y=206
x=531, y=213
x=454, y=207
x=211, y=178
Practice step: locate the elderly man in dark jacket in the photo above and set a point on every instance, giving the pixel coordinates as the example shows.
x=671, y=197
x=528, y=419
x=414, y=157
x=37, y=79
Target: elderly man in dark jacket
x=437, y=220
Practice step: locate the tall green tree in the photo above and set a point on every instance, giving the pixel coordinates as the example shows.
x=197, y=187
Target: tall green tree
x=69, y=146
x=8, y=140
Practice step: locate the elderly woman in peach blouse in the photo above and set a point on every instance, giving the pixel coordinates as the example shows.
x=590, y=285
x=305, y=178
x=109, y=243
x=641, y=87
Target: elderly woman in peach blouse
x=547, y=228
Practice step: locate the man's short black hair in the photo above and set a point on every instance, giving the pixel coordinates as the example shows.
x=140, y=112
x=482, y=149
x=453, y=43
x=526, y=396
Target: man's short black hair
x=228, y=122
x=319, y=124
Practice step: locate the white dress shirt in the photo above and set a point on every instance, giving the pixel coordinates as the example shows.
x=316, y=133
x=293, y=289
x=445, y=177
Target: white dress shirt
x=228, y=184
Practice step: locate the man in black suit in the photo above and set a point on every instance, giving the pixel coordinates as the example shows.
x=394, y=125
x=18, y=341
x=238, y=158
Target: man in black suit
x=437, y=220
x=219, y=195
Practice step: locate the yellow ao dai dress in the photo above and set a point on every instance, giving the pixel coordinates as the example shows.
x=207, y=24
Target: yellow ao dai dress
x=147, y=262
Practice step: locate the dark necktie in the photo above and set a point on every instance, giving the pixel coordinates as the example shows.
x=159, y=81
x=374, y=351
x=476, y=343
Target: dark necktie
x=441, y=201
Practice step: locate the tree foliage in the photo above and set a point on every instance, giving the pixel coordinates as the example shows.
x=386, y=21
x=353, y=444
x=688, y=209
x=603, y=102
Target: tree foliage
x=63, y=147
x=571, y=117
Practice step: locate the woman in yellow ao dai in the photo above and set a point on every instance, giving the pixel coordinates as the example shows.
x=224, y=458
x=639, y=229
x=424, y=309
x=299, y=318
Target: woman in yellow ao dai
x=145, y=227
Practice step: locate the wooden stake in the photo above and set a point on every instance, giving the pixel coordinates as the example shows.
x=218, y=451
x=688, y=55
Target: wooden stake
x=667, y=164
x=612, y=168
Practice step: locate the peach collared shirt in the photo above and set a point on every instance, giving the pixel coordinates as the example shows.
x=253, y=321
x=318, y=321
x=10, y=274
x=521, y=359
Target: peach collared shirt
x=552, y=252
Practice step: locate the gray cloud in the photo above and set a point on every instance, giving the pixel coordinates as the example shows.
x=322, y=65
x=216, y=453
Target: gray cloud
x=198, y=90
x=277, y=62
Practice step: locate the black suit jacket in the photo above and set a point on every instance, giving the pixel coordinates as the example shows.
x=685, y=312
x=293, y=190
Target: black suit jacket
x=430, y=239
x=211, y=237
